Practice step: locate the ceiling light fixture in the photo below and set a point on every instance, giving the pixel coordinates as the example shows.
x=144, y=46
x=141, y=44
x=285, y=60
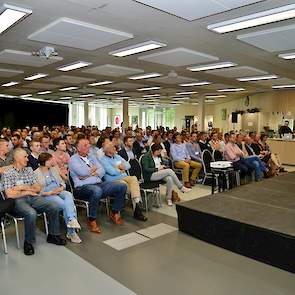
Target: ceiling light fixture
x=36, y=76
x=220, y=65
x=187, y=93
x=145, y=76
x=209, y=100
x=283, y=86
x=181, y=98
x=151, y=95
x=68, y=88
x=195, y=84
x=215, y=96
x=12, y=83
x=74, y=66
x=66, y=97
x=25, y=95
x=290, y=55
x=231, y=90
x=114, y=92
x=100, y=83
x=254, y=20
x=138, y=48
x=44, y=92
x=87, y=95
x=149, y=88
x=10, y=15
x=257, y=78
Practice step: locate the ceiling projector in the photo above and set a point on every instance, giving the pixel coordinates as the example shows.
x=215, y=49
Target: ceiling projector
x=46, y=52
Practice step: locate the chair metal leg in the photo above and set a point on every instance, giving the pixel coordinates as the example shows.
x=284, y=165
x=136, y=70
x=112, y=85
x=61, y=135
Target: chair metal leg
x=45, y=223
x=16, y=232
x=145, y=200
x=87, y=210
x=107, y=207
x=159, y=197
x=204, y=179
x=4, y=237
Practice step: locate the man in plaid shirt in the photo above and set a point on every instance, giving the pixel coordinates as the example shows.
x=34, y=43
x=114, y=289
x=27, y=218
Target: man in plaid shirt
x=20, y=183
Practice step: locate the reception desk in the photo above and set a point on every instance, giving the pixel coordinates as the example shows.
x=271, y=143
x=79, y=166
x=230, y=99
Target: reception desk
x=284, y=148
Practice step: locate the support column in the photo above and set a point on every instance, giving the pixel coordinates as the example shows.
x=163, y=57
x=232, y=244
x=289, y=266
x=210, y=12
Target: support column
x=201, y=114
x=86, y=114
x=125, y=113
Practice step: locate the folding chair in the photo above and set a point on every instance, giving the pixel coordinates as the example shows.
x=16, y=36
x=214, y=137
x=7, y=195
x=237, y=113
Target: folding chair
x=3, y=228
x=217, y=155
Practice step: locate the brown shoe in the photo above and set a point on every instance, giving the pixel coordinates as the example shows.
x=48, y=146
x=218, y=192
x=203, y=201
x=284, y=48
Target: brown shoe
x=192, y=182
x=175, y=197
x=94, y=227
x=115, y=217
x=187, y=185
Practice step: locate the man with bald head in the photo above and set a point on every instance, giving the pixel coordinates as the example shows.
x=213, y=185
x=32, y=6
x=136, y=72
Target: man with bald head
x=116, y=170
x=20, y=183
x=87, y=173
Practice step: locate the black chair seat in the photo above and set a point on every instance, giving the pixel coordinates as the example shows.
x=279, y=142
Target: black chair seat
x=150, y=185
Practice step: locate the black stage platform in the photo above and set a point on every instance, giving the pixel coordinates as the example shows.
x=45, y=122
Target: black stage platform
x=256, y=220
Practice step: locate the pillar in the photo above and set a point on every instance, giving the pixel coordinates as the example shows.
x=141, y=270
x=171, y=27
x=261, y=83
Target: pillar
x=86, y=114
x=125, y=113
x=201, y=114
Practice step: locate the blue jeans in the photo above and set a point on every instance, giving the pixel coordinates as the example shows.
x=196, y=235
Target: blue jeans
x=28, y=207
x=241, y=165
x=254, y=163
x=65, y=201
x=94, y=192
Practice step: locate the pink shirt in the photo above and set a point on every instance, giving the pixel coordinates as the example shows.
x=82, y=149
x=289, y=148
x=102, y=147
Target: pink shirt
x=62, y=161
x=232, y=152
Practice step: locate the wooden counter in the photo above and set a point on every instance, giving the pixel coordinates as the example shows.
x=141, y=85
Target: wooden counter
x=284, y=148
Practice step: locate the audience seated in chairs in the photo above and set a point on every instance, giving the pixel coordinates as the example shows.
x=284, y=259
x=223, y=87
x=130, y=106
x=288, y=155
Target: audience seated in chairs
x=139, y=146
x=45, y=144
x=6, y=158
x=183, y=161
x=20, y=183
x=116, y=170
x=70, y=143
x=61, y=157
x=215, y=142
x=35, y=148
x=53, y=189
x=193, y=148
x=153, y=170
x=127, y=151
x=87, y=174
x=203, y=142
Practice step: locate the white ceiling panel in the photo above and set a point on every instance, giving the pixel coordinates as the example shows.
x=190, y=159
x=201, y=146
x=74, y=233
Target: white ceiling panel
x=172, y=80
x=43, y=86
x=195, y=9
x=112, y=70
x=280, y=81
x=178, y=57
x=70, y=79
x=7, y=73
x=272, y=40
x=8, y=56
x=77, y=34
x=237, y=72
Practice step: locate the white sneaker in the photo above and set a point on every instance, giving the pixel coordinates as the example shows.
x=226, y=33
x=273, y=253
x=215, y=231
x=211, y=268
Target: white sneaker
x=185, y=189
x=74, y=238
x=74, y=224
x=169, y=202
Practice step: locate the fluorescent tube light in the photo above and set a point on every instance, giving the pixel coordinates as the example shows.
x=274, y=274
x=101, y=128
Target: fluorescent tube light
x=215, y=96
x=134, y=49
x=209, y=100
x=257, y=78
x=10, y=15
x=100, y=83
x=290, y=55
x=186, y=93
x=195, y=84
x=25, y=95
x=151, y=95
x=12, y=83
x=68, y=88
x=254, y=20
x=145, y=76
x=66, y=97
x=114, y=92
x=149, y=88
x=181, y=98
x=36, y=76
x=283, y=86
x=87, y=95
x=44, y=92
x=74, y=66
x=220, y=65
x=231, y=90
